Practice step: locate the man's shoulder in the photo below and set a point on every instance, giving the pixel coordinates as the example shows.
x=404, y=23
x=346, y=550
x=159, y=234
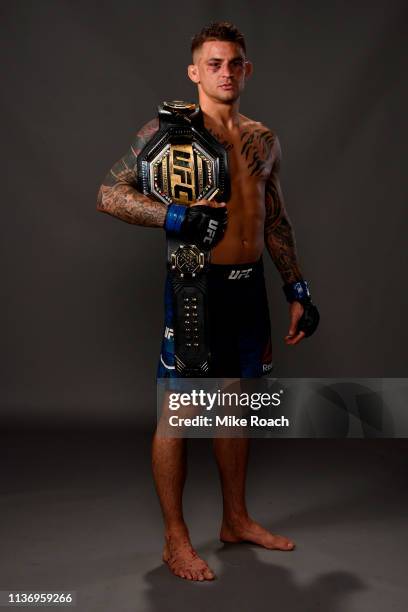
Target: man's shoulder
x=143, y=135
x=257, y=133
x=149, y=128
x=253, y=126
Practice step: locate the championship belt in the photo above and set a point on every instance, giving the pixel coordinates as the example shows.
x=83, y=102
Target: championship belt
x=182, y=164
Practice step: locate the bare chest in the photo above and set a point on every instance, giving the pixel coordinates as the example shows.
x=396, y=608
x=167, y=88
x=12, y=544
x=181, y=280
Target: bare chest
x=250, y=160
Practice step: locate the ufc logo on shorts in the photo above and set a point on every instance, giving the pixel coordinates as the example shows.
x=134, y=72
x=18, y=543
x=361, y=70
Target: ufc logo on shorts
x=235, y=274
x=212, y=226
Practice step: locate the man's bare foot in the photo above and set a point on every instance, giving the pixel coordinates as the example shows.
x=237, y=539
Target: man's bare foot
x=249, y=531
x=183, y=561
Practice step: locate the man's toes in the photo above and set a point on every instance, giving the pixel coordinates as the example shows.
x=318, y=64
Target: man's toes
x=183, y=573
x=208, y=574
x=287, y=544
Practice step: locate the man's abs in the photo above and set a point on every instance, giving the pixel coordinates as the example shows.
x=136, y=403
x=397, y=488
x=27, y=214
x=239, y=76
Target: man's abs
x=243, y=240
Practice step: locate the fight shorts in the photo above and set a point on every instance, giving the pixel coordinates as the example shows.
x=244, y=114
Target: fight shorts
x=239, y=324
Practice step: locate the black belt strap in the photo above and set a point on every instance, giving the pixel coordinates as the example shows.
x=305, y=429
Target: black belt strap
x=182, y=164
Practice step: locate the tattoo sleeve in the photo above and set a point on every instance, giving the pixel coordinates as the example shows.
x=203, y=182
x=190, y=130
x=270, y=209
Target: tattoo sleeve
x=118, y=195
x=279, y=235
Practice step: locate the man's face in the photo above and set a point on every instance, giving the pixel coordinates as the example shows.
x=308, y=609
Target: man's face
x=220, y=70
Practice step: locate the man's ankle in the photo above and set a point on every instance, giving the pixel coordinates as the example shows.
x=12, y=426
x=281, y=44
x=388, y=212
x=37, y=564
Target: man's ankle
x=176, y=530
x=234, y=518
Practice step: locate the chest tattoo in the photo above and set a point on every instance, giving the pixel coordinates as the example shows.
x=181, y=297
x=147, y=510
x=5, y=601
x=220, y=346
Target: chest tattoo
x=227, y=145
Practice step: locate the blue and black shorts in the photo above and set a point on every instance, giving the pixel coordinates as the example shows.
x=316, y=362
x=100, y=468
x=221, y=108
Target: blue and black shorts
x=239, y=323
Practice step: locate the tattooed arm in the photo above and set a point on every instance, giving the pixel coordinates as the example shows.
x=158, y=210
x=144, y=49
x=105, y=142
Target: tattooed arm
x=279, y=236
x=118, y=195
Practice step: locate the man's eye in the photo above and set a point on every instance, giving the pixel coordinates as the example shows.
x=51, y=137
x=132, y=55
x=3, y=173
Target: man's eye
x=214, y=65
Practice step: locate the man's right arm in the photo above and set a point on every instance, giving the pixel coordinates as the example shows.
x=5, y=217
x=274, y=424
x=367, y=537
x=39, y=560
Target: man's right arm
x=118, y=195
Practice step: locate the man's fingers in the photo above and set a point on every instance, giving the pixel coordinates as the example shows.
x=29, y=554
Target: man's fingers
x=296, y=312
x=293, y=324
x=294, y=339
x=211, y=203
x=291, y=340
x=292, y=329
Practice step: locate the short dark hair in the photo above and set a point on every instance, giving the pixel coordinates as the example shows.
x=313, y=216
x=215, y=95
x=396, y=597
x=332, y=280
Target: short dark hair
x=218, y=30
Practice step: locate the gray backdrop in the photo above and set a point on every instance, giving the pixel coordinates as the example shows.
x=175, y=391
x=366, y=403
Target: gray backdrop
x=82, y=292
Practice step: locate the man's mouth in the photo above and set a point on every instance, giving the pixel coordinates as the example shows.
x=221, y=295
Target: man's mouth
x=226, y=86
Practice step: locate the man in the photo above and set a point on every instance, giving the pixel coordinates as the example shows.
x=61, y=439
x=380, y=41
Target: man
x=256, y=217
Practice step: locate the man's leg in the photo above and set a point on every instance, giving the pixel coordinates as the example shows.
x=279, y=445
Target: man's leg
x=170, y=470
x=232, y=459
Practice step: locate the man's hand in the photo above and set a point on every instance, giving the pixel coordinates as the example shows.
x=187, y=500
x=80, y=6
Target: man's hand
x=203, y=223
x=304, y=317
x=295, y=311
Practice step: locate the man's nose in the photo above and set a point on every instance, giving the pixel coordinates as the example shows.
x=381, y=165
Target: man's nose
x=226, y=70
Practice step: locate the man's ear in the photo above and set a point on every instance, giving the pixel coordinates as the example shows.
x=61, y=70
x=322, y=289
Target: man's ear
x=192, y=72
x=249, y=68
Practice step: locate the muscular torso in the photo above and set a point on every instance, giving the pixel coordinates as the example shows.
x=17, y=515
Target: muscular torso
x=256, y=212
x=250, y=155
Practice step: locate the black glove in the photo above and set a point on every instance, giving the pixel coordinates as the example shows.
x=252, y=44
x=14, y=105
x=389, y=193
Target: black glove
x=309, y=320
x=198, y=224
x=299, y=292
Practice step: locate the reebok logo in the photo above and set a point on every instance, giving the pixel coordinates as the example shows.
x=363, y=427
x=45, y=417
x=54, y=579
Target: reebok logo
x=236, y=274
x=212, y=226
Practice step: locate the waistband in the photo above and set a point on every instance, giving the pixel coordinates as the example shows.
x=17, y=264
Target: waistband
x=236, y=272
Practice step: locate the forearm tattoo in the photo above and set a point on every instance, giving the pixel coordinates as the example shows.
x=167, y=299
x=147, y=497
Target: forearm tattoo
x=118, y=195
x=279, y=235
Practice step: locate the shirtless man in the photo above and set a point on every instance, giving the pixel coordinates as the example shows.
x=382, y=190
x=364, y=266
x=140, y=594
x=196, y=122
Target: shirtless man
x=256, y=218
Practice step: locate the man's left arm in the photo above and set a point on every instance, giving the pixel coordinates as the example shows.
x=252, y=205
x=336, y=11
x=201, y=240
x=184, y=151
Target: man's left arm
x=281, y=245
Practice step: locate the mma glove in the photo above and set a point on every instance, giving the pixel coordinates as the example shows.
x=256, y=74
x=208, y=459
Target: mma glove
x=299, y=292
x=199, y=224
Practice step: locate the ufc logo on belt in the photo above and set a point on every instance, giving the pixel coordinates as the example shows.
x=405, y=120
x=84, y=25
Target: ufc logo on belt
x=236, y=274
x=212, y=226
x=181, y=173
